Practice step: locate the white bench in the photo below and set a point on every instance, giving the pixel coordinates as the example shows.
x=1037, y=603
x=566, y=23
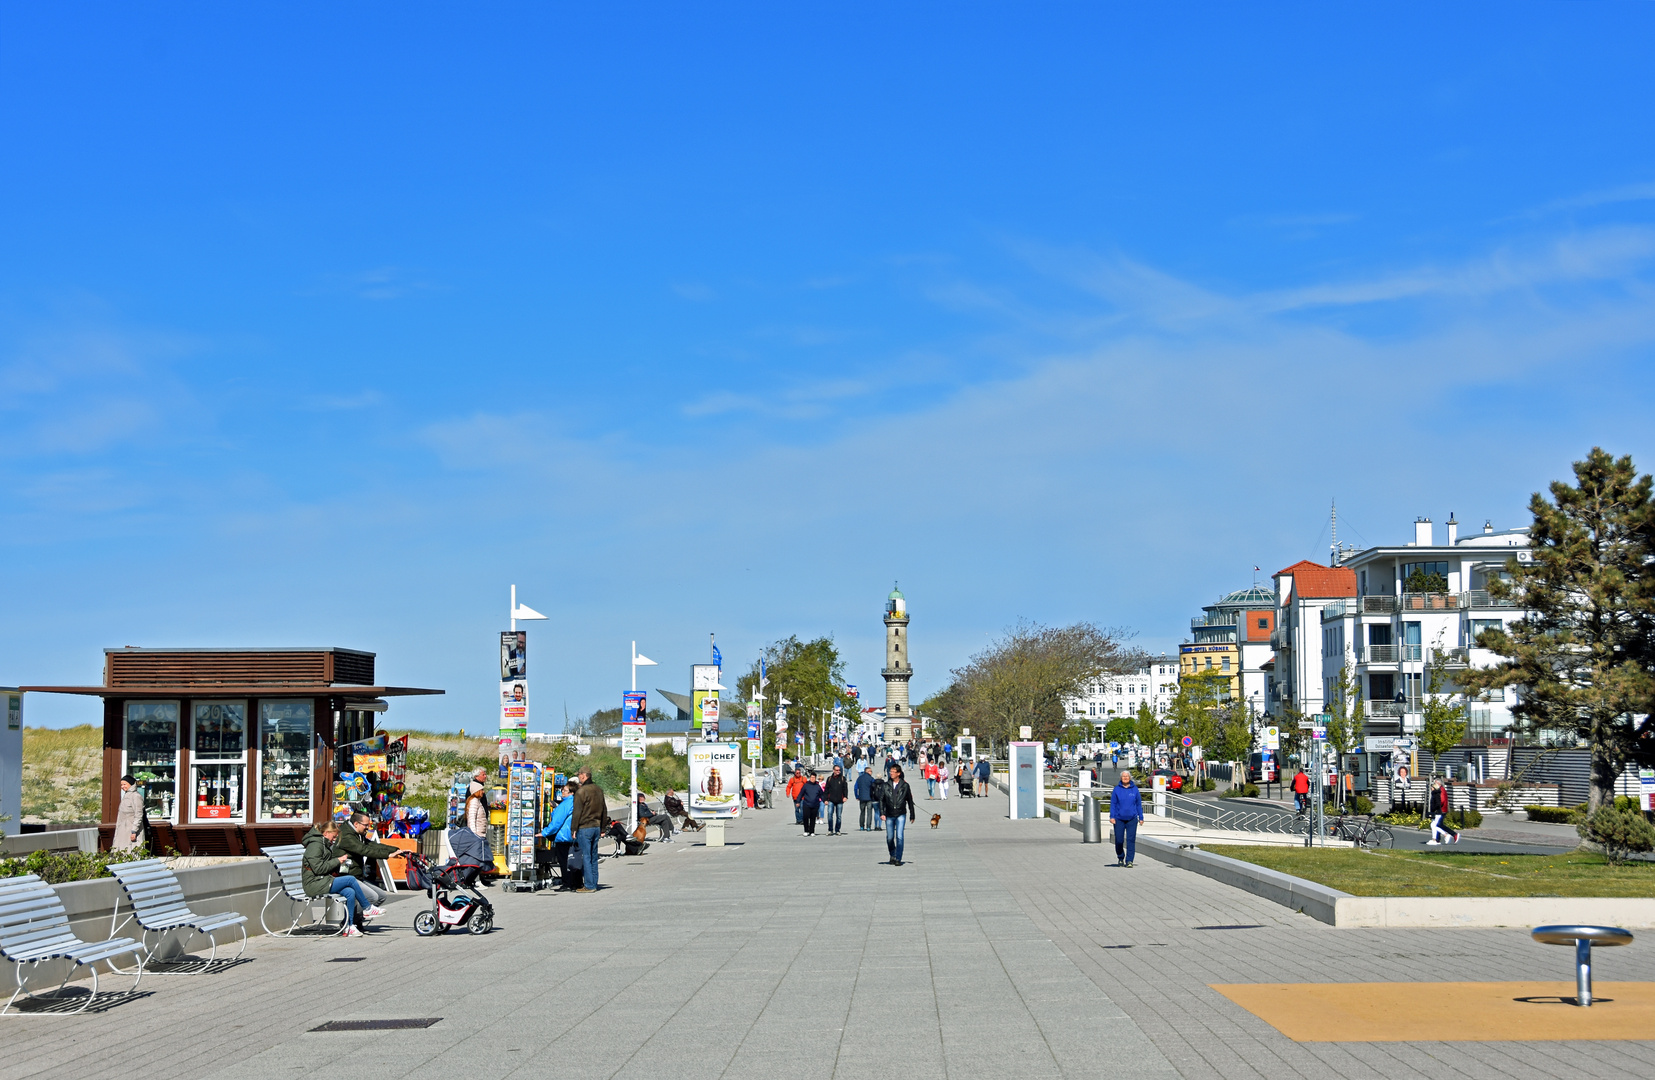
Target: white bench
x=159, y=906
x=288, y=861
x=34, y=929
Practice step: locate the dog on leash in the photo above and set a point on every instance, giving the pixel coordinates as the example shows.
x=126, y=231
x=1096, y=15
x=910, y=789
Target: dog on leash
x=936, y=819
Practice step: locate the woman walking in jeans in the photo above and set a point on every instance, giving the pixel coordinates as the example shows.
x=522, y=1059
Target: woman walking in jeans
x=895, y=800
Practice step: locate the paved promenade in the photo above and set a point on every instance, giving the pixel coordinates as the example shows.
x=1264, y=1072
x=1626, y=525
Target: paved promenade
x=1001, y=949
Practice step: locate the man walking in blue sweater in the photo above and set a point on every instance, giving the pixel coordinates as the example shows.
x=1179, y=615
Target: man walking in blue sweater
x=1126, y=809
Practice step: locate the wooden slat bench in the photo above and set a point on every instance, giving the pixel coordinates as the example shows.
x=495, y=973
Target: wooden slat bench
x=287, y=862
x=159, y=906
x=34, y=929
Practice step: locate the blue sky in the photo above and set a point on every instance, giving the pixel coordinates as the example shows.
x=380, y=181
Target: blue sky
x=325, y=327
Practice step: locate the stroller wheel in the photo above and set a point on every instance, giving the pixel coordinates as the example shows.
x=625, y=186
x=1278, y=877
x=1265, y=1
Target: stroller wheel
x=483, y=921
x=425, y=923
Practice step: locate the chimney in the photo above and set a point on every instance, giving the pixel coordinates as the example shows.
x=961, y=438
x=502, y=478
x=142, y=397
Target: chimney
x=1422, y=532
x=1453, y=530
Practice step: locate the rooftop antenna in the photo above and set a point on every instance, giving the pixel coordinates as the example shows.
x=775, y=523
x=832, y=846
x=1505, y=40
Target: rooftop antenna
x=1335, y=527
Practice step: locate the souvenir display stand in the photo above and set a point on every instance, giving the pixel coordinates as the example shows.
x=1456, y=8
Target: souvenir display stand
x=525, y=796
x=371, y=777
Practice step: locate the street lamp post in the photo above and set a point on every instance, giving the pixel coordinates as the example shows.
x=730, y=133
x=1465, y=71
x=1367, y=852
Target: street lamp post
x=638, y=661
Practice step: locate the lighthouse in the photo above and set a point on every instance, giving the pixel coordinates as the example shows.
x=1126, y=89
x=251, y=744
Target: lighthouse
x=899, y=717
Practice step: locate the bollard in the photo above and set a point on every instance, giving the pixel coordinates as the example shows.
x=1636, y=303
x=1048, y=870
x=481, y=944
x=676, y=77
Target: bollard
x=1092, y=830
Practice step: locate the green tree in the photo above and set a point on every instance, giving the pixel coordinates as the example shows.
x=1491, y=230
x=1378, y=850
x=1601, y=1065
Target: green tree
x=1121, y=729
x=1238, y=732
x=1199, y=707
x=1346, y=717
x=1582, y=656
x=1148, y=728
x=1024, y=678
x=810, y=674
x=1444, y=720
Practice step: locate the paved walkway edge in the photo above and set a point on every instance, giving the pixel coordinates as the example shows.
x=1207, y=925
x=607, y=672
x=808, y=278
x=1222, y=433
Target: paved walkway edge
x=1318, y=901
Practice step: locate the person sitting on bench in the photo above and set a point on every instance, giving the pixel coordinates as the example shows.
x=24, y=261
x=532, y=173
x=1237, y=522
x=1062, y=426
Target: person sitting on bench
x=674, y=806
x=663, y=822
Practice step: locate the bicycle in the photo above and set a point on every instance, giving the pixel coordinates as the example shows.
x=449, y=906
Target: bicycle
x=1362, y=830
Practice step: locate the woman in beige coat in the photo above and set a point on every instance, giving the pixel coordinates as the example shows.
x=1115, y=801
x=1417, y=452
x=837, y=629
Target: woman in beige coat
x=129, y=819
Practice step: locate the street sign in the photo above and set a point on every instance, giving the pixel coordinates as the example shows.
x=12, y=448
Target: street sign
x=1318, y=733
x=1272, y=738
x=1306, y=725
x=1186, y=742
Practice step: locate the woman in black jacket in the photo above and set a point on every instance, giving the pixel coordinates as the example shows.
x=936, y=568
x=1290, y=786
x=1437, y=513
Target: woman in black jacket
x=895, y=800
x=835, y=793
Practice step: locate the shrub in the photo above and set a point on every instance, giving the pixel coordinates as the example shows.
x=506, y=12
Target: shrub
x=1361, y=804
x=1556, y=815
x=58, y=867
x=1206, y=783
x=1621, y=832
x=1464, y=819
x=1245, y=791
x=1406, y=818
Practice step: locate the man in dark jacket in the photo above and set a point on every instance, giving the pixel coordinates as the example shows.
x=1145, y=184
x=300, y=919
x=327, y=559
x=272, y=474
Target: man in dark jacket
x=864, y=798
x=354, y=841
x=810, y=802
x=591, y=815
x=1126, y=810
x=896, y=800
x=834, y=793
x=984, y=773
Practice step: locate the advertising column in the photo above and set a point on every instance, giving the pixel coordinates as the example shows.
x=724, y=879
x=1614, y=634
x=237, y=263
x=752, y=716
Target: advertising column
x=704, y=692
x=1028, y=767
x=514, y=693
x=715, y=784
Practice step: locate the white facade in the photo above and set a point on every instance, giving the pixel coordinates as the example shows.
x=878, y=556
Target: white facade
x=1415, y=603
x=1303, y=591
x=1113, y=696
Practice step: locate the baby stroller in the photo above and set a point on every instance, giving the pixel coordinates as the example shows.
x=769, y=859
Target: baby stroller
x=452, y=887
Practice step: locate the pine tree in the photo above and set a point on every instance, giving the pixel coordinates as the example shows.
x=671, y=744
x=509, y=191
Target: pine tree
x=1583, y=656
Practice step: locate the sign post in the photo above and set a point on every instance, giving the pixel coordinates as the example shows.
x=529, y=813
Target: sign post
x=1318, y=745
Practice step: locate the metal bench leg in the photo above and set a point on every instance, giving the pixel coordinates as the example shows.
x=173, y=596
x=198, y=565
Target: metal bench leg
x=1583, y=972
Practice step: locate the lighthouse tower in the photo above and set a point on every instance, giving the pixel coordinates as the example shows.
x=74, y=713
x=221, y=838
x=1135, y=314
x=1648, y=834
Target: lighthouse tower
x=899, y=717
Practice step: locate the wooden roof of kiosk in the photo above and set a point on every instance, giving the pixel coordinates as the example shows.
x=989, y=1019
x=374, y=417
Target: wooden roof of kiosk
x=168, y=673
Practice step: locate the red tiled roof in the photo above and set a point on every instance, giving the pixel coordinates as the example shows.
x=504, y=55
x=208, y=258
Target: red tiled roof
x=1313, y=581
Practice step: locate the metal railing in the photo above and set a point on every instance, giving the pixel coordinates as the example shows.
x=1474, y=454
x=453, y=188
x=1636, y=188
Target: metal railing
x=1385, y=708
x=1378, y=605
x=1335, y=610
x=1430, y=601
x=1392, y=654
x=1455, y=658
x=1222, y=618
x=1480, y=598
x=1206, y=815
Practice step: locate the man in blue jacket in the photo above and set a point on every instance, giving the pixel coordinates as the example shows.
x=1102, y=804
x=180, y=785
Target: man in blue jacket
x=864, y=796
x=1126, y=809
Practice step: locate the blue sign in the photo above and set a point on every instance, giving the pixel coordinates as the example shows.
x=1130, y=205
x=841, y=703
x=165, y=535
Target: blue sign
x=753, y=728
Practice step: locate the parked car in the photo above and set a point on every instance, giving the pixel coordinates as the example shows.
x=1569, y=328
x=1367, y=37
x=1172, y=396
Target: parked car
x=1258, y=773
x=1174, y=781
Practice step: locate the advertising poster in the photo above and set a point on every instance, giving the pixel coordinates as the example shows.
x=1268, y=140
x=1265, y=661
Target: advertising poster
x=514, y=655
x=633, y=725
x=753, y=749
x=715, y=781
x=703, y=679
x=514, y=707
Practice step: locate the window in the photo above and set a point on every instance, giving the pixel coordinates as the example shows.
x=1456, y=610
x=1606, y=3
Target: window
x=286, y=729
x=1264, y=624
x=1209, y=663
x=219, y=763
x=1480, y=625
x=1226, y=666
x=152, y=754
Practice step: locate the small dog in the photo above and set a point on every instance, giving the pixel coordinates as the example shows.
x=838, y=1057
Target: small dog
x=936, y=819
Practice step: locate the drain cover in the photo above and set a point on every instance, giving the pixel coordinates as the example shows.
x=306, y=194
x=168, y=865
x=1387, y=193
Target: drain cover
x=376, y=1025
x=347, y=959
x=1234, y=926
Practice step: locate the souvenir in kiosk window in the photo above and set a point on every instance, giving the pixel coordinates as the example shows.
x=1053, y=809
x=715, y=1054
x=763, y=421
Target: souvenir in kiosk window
x=220, y=760
x=286, y=731
x=152, y=755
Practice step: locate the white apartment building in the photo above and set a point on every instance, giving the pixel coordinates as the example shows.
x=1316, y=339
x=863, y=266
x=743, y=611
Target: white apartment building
x=1413, y=603
x=1303, y=591
x=1112, y=696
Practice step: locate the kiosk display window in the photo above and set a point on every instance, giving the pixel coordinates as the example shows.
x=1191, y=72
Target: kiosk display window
x=220, y=760
x=152, y=755
x=286, y=731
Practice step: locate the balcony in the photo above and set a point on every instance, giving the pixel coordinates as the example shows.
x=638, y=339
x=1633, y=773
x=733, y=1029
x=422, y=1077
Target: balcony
x=1377, y=605
x=1222, y=618
x=1335, y=610
x=1384, y=708
x=1392, y=654
x=1430, y=601
x=1281, y=640
x=1455, y=658
x=1480, y=598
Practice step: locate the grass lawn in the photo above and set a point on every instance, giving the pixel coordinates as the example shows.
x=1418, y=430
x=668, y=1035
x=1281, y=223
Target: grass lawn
x=1418, y=873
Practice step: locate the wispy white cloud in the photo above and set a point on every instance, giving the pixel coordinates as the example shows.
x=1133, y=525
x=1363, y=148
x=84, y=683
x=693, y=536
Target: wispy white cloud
x=1625, y=193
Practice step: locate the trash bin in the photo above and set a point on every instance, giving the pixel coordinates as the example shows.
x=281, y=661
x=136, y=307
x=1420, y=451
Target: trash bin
x=1091, y=827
